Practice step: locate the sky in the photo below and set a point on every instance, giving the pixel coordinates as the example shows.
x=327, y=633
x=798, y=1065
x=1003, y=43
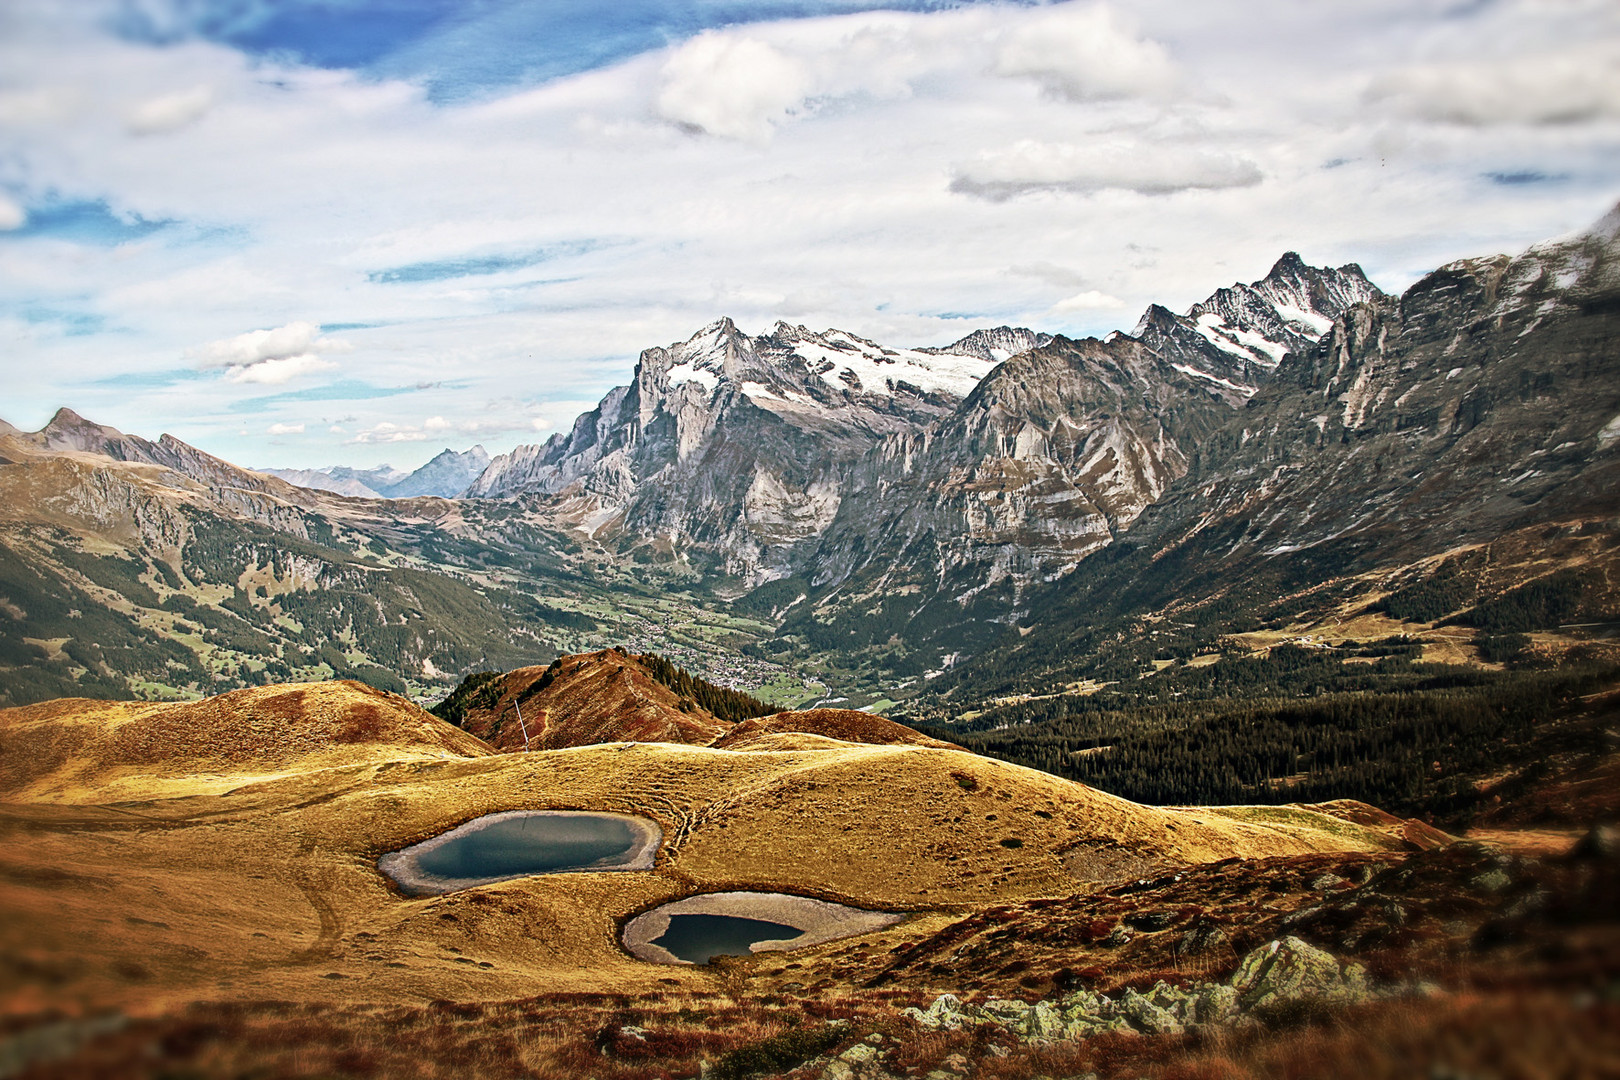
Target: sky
x=302, y=233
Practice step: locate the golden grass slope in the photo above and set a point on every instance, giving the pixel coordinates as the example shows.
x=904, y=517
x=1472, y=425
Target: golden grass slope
x=75, y=749
x=844, y=725
x=139, y=876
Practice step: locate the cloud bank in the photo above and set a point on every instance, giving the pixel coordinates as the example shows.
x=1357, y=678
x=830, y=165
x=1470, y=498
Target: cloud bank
x=501, y=235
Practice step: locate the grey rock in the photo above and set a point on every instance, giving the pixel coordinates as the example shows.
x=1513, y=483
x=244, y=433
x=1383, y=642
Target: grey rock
x=1214, y=1004
x=1202, y=939
x=1289, y=969
x=1146, y=1017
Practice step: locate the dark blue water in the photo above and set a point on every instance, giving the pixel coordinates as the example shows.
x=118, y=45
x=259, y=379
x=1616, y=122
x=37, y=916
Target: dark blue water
x=699, y=938
x=537, y=845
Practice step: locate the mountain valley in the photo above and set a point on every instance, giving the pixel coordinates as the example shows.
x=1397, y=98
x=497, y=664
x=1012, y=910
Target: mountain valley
x=1233, y=697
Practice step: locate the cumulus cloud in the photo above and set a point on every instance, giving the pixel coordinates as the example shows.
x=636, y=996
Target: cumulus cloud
x=12, y=215
x=285, y=429
x=734, y=87
x=170, y=112
x=273, y=356
x=1551, y=88
x=1085, y=53
x=437, y=427
x=1090, y=300
x=1148, y=168
x=389, y=432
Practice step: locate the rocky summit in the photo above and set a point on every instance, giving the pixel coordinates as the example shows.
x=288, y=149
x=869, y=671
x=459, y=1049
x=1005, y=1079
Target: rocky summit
x=1004, y=456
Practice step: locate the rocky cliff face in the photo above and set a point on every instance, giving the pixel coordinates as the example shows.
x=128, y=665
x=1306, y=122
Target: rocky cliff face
x=1234, y=340
x=738, y=447
x=1053, y=456
x=1007, y=455
x=1484, y=398
x=1460, y=443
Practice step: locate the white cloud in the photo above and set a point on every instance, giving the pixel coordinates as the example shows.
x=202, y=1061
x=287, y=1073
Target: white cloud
x=825, y=196
x=285, y=429
x=505, y=418
x=1090, y=300
x=389, y=432
x=1553, y=88
x=273, y=356
x=1148, y=168
x=277, y=372
x=1084, y=52
x=735, y=87
x=12, y=215
x=170, y=112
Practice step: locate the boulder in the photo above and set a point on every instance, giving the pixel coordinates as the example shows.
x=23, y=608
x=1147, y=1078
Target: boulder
x=1147, y=1017
x=1045, y=1021
x=1288, y=969
x=1012, y=1015
x=1214, y=1004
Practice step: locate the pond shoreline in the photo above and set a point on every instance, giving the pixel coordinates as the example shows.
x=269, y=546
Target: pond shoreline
x=405, y=866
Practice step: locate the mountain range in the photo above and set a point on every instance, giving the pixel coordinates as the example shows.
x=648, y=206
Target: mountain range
x=919, y=523
x=447, y=475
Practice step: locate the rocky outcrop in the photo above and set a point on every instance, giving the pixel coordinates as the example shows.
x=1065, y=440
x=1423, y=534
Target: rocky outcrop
x=581, y=700
x=1282, y=971
x=1485, y=398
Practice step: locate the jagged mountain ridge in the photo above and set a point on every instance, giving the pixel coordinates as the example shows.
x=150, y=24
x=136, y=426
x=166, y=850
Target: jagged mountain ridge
x=445, y=476
x=789, y=370
x=744, y=451
x=1235, y=339
x=1485, y=398
x=739, y=447
x=1471, y=423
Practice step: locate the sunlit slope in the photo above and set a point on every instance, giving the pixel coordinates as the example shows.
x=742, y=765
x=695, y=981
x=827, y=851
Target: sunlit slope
x=169, y=887
x=80, y=750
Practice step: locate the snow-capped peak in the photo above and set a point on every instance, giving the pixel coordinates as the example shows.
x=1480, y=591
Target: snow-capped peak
x=790, y=357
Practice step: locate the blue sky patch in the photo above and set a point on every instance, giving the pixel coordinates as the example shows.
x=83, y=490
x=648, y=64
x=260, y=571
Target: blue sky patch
x=150, y=380
x=1524, y=176
x=344, y=390
x=478, y=265
x=83, y=222
x=70, y=323
x=465, y=48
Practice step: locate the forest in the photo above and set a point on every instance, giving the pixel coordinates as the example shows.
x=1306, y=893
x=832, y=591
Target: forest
x=1414, y=749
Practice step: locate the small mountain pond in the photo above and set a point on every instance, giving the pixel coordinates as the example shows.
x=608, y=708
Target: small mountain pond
x=699, y=928
x=699, y=938
x=519, y=843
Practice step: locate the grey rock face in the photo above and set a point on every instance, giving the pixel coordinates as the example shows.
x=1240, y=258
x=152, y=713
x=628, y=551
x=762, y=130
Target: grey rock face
x=1284, y=970
x=1234, y=340
x=1485, y=398
x=741, y=447
x=1005, y=457
x=1288, y=969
